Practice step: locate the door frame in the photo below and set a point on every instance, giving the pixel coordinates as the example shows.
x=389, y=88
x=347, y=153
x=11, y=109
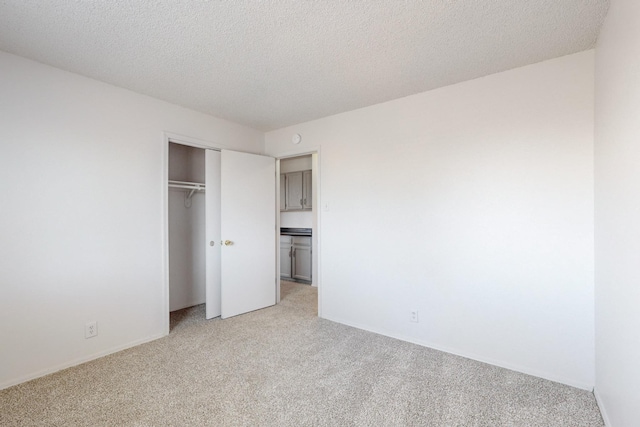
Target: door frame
x=316, y=241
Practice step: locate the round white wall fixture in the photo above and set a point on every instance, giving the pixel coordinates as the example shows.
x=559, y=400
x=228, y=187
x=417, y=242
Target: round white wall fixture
x=296, y=138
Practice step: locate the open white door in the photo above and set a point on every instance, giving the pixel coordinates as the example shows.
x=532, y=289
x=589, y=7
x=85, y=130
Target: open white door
x=212, y=231
x=248, y=218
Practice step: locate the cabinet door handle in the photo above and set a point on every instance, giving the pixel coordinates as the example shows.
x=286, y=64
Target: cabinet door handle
x=300, y=201
x=294, y=252
x=290, y=252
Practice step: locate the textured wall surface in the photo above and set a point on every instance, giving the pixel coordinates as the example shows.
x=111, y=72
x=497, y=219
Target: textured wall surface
x=274, y=63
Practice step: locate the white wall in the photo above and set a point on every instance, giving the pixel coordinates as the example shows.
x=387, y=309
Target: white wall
x=186, y=229
x=296, y=219
x=186, y=250
x=301, y=219
x=473, y=204
x=617, y=215
x=81, y=223
x=296, y=164
x=186, y=163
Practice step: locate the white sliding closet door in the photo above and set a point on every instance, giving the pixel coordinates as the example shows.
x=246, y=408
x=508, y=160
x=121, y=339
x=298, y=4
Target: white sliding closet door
x=248, y=219
x=212, y=230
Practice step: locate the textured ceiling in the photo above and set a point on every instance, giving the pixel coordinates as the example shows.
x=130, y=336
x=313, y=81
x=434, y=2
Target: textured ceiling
x=269, y=64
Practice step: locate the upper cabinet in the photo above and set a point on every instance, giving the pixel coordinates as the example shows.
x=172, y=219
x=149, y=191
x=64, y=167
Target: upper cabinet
x=306, y=190
x=295, y=191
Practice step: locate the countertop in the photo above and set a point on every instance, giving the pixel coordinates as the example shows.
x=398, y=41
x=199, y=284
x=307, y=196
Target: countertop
x=295, y=231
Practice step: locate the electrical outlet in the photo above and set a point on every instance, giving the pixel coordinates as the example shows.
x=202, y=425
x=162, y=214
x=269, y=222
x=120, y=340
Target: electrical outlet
x=90, y=329
x=413, y=316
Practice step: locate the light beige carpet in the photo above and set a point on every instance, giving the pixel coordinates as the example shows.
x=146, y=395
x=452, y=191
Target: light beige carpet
x=283, y=366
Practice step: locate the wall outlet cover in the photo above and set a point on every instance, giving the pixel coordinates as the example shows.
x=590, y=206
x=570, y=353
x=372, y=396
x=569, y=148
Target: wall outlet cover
x=91, y=329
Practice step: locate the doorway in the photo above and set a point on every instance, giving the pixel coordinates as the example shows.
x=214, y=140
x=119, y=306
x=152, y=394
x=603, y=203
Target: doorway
x=298, y=221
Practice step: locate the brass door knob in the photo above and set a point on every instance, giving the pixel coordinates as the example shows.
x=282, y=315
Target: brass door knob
x=227, y=243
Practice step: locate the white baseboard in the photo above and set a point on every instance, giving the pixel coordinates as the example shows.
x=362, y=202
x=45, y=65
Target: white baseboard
x=494, y=362
x=603, y=410
x=76, y=362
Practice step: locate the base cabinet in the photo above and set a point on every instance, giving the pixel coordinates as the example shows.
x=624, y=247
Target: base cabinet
x=295, y=258
x=301, y=261
x=286, y=252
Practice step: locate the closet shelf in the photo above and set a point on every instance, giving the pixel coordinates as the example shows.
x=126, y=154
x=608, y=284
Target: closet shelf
x=193, y=186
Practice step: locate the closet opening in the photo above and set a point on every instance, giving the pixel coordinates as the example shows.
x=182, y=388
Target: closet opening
x=220, y=213
x=186, y=229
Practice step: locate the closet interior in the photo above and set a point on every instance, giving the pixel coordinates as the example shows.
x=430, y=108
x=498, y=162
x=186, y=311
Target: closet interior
x=186, y=226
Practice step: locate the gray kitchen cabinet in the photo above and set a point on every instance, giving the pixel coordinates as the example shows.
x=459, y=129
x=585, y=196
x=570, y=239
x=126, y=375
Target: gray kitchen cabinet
x=295, y=258
x=286, y=253
x=306, y=190
x=301, y=258
x=295, y=191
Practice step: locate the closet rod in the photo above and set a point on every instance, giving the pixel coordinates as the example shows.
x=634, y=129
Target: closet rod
x=187, y=185
x=193, y=186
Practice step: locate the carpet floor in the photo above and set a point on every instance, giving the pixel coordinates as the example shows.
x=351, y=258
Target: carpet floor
x=283, y=366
